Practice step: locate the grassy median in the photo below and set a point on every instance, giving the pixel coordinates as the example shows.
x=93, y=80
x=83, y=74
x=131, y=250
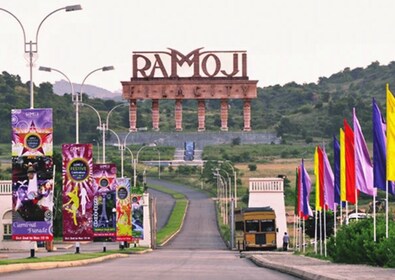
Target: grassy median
x=177, y=215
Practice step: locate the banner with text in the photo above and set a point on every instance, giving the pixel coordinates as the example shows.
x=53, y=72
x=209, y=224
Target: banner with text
x=137, y=216
x=78, y=192
x=124, y=210
x=32, y=198
x=32, y=132
x=104, y=201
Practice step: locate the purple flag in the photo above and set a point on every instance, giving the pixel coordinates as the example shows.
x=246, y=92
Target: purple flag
x=336, y=169
x=305, y=194
x=363, y=165
x=329, y=191
x=380, y=151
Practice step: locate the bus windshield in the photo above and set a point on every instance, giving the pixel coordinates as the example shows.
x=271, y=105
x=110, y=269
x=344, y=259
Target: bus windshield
x=267, y=225
x=252, y=226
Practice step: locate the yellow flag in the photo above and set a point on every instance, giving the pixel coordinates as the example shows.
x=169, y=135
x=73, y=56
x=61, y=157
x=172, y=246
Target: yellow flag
x=317, y=180
x=390, y=135
x=342, y=167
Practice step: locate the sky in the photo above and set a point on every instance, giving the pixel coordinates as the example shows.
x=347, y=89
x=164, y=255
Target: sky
x=285, y=40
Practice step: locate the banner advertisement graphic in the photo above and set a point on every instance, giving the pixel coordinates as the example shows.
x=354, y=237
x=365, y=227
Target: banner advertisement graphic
x=104, y=201
x=137, y=217
x=78, y=192
x=32, y=132
x=124, y=211
x=32, y=198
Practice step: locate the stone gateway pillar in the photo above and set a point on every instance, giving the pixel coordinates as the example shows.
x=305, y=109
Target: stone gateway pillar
x=133, y=114
x=224, y=114
x=247, y=114
x=178, y=115
x=155, y=114
x=201, y=115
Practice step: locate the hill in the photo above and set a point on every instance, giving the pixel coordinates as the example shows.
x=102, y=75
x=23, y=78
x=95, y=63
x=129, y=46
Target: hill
x=307, y=112
x=61, y=87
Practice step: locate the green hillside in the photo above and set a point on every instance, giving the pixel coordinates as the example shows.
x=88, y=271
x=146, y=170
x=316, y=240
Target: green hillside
x=307, y=112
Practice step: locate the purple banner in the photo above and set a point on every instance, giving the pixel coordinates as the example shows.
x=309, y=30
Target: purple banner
x=31, y=132
x=32, y=198
x=77, y=192
x=104, y=201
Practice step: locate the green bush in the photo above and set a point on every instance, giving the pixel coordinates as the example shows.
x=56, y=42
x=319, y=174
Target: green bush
x=354, y=244
x=252, y=167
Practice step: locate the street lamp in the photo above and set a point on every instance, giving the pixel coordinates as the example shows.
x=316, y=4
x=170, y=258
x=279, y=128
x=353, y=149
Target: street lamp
x=136, y=160
x=98, y=148
x=31, y=48
x=77, y=99
x=234, y=178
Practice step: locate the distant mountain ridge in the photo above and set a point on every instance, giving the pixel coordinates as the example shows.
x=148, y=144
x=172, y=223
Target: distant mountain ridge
x=61, y=87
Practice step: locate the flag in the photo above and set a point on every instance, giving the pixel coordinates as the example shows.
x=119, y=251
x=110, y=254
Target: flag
x=306, y=189
x=390, y=135
x=336, y=169
x=379, y=150
x=363, y=165
x=350, y=163
x=328, y=182
x=317, y=180
x=343, y=190
x=321, y=177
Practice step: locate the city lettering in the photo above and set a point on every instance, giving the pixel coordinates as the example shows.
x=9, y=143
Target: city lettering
x=203, y=64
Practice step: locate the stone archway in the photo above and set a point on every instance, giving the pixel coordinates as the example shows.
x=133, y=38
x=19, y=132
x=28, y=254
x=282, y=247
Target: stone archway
x=158, y=76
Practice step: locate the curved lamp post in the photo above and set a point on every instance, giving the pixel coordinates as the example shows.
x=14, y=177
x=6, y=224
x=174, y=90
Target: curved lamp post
x=77, y=100
x=31, y=47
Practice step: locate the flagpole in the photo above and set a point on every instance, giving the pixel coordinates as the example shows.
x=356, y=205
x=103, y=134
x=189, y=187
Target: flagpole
x=303, y=240
x=356, y=202
x=294, y=245
x=321, y=232
x=341, y=212
x=324, y=231
x=315, y=232
x=386, y=209
x=374, y=218
x=346, y=212
x=298, y=233
x=334, y=218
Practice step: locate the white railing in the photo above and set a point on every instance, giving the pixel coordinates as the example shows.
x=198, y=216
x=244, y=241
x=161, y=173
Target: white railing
x=5, y=187
x=266, y=185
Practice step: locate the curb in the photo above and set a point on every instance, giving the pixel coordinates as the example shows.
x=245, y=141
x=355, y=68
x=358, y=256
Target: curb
x=49, y=265
x=174, y=234
x=294, y=271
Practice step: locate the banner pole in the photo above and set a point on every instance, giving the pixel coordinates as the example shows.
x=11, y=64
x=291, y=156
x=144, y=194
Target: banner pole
x=374, y=218
x=386, y=209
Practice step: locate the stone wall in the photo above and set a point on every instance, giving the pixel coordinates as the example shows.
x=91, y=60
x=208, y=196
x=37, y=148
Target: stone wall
x=201, y=139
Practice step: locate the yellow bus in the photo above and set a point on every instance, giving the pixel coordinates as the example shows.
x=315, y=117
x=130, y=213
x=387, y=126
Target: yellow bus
x=255, y=229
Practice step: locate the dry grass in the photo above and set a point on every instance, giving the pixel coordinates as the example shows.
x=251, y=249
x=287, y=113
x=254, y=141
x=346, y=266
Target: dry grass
x=276, y=167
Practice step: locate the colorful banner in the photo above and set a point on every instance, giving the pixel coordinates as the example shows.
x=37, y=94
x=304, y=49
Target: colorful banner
x=124, y=211
x=104, y=201
x=32, y=198
x=31, y=132
x=137, y=217
x=77, y=192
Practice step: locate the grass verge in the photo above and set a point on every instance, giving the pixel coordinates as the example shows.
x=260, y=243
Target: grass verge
x=177, y=215
x=72, y=256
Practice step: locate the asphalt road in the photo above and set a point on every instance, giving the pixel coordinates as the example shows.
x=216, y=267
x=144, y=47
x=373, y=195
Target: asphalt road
x=197, y=252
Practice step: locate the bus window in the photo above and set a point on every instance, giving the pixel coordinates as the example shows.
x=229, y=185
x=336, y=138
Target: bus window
x=252, y=226
x=240, y=226
x=267, y=225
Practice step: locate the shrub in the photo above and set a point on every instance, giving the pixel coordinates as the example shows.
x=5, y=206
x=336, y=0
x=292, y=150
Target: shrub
x=252, y=167
x=354, y=244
